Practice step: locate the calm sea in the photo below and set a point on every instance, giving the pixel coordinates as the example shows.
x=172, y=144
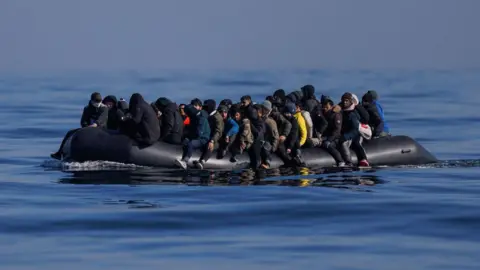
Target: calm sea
x=113, y=216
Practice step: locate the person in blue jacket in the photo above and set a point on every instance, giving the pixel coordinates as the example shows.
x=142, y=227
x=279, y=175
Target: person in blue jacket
x=386, y=127
x=197, y=135
x=230, y=132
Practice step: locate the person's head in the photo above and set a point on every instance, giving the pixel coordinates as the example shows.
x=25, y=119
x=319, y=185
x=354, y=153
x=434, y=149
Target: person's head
x=245, y=101
x=181, y=109
x=162, y=103
x=298, y=106
x=209, y=105
x=95, y=97
x=374, y=94
x=191, y=111
x=259, y=108
x=308, y=91
x=267, y=107
x=367, y=99
x=279, y=95
x=196, y=103
x=223, y=111
x=289, y=110
x=347, y=100
x=236, y=113
x=327, y=104
x=226, y=102
x=110, y=101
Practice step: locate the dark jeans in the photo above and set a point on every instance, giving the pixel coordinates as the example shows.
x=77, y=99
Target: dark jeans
x=206, y=154
x=254, y=152
x=332, y=150
x=289, y=159
x=189, y=146
x=69, y=133
x=265, y=153
x=224, y=147
x=356, y=144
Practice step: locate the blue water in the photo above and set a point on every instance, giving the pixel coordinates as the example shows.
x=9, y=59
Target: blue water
x=107, y=216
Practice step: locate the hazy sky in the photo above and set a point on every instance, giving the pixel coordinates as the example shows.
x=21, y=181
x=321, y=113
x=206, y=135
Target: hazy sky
x=204, y=34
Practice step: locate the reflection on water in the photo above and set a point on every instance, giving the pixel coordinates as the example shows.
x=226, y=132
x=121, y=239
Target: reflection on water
x=302, y=177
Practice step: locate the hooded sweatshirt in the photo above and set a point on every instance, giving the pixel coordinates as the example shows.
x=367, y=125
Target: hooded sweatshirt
x=309, y=100
x=199, y=128
x=144, y=119
x=171, y=122
x=113, y=115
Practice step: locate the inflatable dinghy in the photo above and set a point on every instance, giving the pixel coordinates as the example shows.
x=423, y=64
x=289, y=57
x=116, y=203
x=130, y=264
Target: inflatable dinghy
x=95, y=144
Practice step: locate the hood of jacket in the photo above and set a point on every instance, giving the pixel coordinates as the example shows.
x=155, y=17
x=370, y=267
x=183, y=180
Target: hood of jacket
x=308, y=92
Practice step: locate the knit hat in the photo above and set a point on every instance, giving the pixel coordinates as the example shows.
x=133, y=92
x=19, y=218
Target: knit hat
x=267, y=105
x=209, y=105
x=289, y=108
x=326, y=99
x=373, y=93
x=222, y=108
x=96, y=97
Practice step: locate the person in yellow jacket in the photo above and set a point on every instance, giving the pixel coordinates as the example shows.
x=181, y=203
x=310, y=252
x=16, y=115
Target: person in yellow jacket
x=302, y=126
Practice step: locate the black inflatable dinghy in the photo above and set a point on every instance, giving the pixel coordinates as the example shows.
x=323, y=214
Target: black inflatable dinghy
x=95, y=144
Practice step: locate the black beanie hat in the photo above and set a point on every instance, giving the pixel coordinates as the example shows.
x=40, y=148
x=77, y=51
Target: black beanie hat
x=96, y=97
x=209, y=105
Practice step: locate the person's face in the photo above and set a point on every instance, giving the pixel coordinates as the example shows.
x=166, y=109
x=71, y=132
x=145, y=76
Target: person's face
x=326, y=107
x=198, y=107
x=346, y=102
x=182, y=110
x=238, y=117
x=109, y=104
x=224, y=115
x=259, y=113
x=244, y=103
x=287, y=115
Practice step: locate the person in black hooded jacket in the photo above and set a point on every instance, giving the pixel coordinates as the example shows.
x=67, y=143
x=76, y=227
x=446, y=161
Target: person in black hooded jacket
x=171, y=122
x=309, y=101
x=278, y=100
x=143, y=122
x=114, y=113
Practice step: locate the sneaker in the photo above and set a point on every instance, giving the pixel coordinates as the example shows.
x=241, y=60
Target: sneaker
x=56, y=155
x=341, y=164
x=233, y=159
x=181, y=163
x=363, y=163
x=199, y=164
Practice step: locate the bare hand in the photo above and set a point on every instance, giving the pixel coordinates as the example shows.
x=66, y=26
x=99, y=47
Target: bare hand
x=93, y=125
x=282, y=138
x=210, y=146
x=227, y=139
x=243, y=146
x=289, y=151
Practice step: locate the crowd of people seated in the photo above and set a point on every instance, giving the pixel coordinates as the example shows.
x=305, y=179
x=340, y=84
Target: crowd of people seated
x=283, y=124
